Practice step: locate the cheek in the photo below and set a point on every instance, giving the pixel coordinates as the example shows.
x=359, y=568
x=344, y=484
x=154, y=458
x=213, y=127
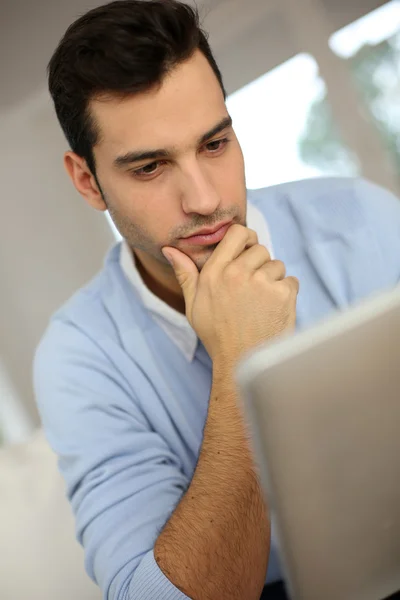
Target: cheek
x=233, y=175
x=234, y=157
x=147, y=205
x=239, y=158
x=158, y=212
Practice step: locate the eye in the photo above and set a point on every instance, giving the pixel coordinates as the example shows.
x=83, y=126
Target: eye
x=147, y=170
x=216, y=146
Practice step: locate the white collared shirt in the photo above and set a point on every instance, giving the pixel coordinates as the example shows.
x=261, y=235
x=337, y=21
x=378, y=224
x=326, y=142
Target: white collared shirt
x=174, y=323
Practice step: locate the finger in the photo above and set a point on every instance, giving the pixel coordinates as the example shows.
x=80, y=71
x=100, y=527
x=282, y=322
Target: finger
x=235, y=241
x=186, y=274
x=254, y=258
x=293, y=283
x=275, y=270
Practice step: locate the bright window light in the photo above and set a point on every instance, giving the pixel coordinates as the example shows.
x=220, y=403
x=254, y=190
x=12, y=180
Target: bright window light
x=270, y=113
x=268, y=117
x=373, y=28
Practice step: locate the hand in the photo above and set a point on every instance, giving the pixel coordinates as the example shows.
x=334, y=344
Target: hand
x=241, y=297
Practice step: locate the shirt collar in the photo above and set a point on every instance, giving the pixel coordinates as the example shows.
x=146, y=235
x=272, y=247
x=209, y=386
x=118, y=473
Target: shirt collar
x=175, y=324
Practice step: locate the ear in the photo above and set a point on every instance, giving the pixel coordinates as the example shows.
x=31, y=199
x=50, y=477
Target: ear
x=83, y=180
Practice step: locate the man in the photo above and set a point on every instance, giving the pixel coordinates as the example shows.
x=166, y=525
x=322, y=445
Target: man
x=135, y=375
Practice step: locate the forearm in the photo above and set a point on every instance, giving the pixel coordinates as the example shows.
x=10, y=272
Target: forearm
x=216, y=543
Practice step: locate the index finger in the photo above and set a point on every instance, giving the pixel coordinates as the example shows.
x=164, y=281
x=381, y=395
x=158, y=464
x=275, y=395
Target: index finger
x=237, y=239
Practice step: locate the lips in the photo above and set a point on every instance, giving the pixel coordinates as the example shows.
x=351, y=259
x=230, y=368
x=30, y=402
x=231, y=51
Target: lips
x=208, y=231
x=207, y=237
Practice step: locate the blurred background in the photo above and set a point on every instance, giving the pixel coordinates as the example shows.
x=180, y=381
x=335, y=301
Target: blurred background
x=314, y=89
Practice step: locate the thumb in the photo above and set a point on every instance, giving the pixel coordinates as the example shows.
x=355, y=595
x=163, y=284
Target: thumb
x=186, y=273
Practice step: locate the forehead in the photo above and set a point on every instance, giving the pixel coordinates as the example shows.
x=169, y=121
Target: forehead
x=188, y=103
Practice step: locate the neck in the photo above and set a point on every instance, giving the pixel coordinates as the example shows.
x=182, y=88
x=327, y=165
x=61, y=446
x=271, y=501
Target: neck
x=160, y=280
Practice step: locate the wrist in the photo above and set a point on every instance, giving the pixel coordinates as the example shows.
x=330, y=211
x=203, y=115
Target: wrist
x=224, y=369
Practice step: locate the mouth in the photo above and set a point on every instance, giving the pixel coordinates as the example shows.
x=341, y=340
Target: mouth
x=208, y=236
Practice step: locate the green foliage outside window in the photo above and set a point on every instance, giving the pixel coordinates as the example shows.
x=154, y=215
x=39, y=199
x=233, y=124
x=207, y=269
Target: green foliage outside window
x=376, y=71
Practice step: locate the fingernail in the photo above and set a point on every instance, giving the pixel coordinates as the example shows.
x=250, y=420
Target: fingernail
x=167, y=256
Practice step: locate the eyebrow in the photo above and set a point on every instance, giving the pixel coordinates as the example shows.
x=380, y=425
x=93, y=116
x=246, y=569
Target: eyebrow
x=139, y=155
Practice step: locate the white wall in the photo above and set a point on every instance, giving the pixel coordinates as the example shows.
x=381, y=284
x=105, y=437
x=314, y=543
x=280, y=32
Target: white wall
x=50, y=241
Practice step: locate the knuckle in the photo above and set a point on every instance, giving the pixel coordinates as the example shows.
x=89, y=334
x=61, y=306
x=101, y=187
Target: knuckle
x=252, y=232
x=276, y=269
x=280, y=265
x=290, y=287
x=263, y=252
x=252, y=237
x=295, y=283
x=183, y=279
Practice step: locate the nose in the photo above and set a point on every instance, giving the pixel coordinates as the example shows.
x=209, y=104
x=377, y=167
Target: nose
x=198, y=192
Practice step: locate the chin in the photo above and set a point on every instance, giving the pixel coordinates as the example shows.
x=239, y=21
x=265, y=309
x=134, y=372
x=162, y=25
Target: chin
x=201, y=258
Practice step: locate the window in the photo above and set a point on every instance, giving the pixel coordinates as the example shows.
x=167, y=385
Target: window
x=269, y=116
x=371, y=45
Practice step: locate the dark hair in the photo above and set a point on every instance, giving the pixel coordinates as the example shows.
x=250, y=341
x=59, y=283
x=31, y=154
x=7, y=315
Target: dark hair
x=121, y=48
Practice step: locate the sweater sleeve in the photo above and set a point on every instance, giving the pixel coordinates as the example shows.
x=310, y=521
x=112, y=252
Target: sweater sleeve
x=123, y=481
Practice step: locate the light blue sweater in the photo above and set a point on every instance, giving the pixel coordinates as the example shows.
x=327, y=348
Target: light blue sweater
x=125, y=410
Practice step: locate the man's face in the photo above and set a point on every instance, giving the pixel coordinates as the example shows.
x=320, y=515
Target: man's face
x=192, y=185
